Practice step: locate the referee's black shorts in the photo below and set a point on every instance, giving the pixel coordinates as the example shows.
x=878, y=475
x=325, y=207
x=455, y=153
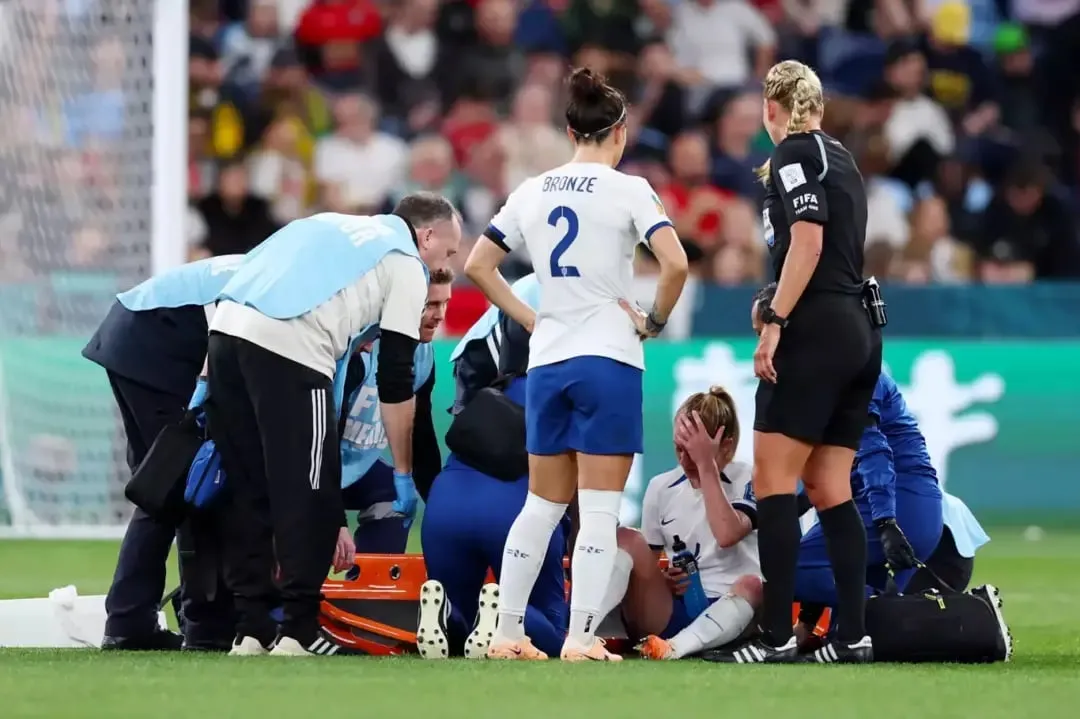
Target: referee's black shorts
x=827, y=364
x=275, y=426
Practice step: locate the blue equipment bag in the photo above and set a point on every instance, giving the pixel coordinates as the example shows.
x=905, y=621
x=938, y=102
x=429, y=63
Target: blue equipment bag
x=206, y=478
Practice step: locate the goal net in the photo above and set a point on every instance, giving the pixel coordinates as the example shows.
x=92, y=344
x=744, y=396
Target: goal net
x=77, y=217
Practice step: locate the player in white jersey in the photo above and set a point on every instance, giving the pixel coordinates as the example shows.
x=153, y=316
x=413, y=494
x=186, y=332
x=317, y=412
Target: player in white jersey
x=581, y=224
x=707, y=501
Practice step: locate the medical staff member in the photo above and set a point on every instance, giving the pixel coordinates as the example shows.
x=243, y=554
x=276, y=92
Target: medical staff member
x=152, y=345
x=581, y=223
x=896, y=490
x=476, y=356
x=469, y=514
x=367, y=480
x=286, y=326
x=953, y=561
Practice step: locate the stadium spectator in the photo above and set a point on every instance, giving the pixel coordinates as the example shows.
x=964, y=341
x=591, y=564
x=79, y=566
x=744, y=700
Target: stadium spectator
x=1029, y=231
x=277, y=171
x=345, y=162
x=492, y=61
x=236, y=220
x=734, y=155
x=696, y=206
x=720, y=45
x=532, y=143
x=659, y=111
x=411, y=67
x=247, y=48
x=330, y=35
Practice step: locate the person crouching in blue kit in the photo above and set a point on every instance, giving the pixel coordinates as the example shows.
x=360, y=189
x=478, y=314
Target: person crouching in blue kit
x=152, y=345
x=367, y=480
x=469, y=512
x=896, y=490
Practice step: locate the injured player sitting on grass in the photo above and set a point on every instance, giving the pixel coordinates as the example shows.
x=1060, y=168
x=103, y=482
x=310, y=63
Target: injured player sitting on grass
x=707, y=502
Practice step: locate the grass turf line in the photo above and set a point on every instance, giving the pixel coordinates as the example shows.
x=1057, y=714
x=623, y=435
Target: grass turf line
x=1040, y=582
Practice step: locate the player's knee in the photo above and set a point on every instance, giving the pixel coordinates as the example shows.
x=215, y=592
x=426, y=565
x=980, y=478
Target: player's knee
x=633, y=543
x=748, y=587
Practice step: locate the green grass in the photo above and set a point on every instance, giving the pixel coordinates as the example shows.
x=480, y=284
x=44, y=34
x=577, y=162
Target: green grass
x=1040, y=582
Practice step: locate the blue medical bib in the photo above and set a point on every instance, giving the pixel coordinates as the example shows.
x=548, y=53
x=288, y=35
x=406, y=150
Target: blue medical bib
x=308, y=261
x=966, y=530
x=196, y=283
x=527, y=290
x=363, y=443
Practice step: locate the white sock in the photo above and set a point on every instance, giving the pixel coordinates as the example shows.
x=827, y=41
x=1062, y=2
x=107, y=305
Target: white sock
x=526, y=547
x=593, y=562
x=718, y=625
x=620, y=580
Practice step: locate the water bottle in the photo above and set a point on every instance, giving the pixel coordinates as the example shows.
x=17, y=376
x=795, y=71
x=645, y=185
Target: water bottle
x=694, y=597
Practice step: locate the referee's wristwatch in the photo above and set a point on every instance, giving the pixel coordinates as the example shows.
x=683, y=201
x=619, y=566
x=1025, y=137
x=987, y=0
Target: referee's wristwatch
x=769, y=317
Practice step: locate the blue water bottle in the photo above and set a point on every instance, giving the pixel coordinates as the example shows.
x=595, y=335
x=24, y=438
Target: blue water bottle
x=694, y=597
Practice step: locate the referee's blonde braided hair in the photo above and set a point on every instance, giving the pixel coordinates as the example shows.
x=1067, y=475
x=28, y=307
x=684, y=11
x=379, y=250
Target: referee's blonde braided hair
x=716, y=409
x=797, y=89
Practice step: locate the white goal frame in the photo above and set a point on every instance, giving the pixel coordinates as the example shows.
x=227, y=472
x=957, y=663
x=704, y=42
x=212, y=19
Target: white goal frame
x=169, y=109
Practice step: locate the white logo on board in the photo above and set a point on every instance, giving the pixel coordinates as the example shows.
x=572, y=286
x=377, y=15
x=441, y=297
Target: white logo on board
x=939, y=402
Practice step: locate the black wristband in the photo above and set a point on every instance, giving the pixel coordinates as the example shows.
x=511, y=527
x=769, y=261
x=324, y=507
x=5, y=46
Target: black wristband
x=885, y=522
x=653, y=325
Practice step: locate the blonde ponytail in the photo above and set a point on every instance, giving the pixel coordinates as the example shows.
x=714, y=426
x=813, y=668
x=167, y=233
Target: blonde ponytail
x=797, y=89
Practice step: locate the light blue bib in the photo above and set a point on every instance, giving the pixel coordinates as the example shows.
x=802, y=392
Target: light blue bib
x=308, y=261
x=196, y=283
x=966, y=530
x=364, y=442
x=527, y=290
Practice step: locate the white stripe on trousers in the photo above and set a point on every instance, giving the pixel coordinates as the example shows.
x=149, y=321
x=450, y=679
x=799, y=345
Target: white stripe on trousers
x=318, y=435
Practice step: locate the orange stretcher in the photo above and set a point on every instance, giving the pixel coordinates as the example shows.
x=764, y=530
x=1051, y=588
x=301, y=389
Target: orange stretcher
x=376, y=613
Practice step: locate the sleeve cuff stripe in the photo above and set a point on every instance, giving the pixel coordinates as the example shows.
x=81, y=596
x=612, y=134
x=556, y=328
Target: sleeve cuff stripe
x=657, y=226
x=496, y=235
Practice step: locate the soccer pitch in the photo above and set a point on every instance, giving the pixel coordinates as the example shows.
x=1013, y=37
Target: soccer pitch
x=1040, y=583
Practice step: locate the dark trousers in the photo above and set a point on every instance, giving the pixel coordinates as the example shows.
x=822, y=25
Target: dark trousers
x=273, y=422
x=139, y=580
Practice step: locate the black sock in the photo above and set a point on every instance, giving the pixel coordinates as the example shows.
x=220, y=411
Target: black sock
x=778, y=547
x=845, y=542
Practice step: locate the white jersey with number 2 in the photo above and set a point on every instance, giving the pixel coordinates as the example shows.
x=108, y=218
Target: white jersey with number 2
x=581, y=224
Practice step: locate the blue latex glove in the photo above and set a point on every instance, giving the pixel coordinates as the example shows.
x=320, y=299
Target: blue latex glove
x=407, y=496
x=198, y=397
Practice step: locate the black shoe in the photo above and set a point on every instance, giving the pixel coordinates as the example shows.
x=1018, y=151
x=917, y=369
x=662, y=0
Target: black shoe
x=207, y=645
x=837, y=652
x=989, y=593
x=159, y=640
x=758, y=651
x=321, y=644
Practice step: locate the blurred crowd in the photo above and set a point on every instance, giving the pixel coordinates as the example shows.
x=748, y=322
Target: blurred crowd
x=964, y=116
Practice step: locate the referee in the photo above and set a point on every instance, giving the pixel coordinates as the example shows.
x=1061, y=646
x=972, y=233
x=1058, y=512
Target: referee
x=818, y=359
x=286, y=325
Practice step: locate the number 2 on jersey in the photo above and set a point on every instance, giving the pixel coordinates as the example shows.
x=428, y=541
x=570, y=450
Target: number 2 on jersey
x=563, y=213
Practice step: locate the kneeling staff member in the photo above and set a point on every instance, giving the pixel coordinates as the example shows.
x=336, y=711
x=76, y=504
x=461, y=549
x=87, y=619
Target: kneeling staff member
x=152, y=345
x=279, y=345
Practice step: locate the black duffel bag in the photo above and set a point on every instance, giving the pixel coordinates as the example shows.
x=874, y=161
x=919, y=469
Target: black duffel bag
x=488, y=434
x=935, y=626
x=157, y=485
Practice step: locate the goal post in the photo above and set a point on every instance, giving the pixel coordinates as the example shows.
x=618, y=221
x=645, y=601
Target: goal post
x=93, y=173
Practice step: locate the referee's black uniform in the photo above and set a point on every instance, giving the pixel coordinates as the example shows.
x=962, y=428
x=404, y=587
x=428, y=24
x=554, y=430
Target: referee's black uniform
x=827, y=362
x=829, y=356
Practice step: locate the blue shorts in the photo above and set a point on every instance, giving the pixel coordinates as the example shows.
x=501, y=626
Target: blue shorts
x=590, y=405
x=680, y=618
